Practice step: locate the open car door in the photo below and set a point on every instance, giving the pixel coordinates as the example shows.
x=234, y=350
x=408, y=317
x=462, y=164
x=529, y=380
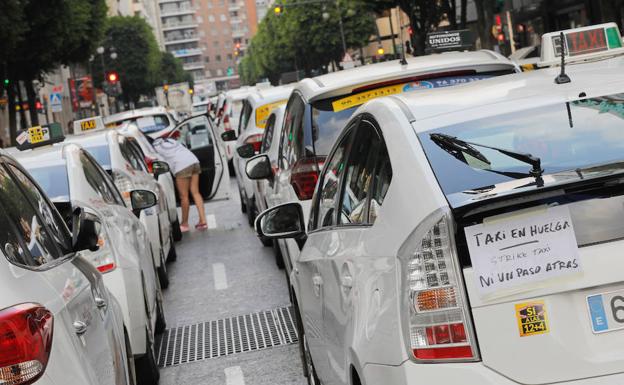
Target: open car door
x=198, y=135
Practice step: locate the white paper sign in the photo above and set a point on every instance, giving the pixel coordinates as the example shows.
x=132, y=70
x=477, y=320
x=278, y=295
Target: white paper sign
x=509, y=253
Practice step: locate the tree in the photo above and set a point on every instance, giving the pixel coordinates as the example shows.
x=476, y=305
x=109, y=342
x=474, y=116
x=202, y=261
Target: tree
x=170, y=70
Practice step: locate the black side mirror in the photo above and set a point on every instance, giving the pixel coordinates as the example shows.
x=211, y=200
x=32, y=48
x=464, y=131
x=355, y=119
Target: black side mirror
x=142, y=199
x=159, y=167
x=85, y=230
x=228, y=136
x=283, y=221
x=246, y=151
x=259, y=167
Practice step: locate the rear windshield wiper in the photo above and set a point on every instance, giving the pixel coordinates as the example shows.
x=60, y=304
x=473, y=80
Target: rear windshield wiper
x=459, y=146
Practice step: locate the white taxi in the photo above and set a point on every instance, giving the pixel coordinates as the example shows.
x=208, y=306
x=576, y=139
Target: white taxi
x=58, y=322
x=253, y=118
x=319, y=108
x=469, y=235
x=72, y=178
x=119, y=158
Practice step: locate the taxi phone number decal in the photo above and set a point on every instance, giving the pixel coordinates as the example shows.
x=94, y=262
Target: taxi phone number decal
x=532, y=318
x=38, y=134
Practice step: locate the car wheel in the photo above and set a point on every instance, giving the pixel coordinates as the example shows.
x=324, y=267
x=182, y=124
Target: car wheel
x=146, y=366
x=251, y=212
x=161, y=323
x=176, y=231
x=163, y=276
x=279, y=257
x=242, y=202
x=173, y=254
x=130, y=361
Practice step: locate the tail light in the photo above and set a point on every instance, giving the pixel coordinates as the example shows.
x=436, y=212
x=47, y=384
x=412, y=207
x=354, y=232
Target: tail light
x=124, y=185
x=304, y=176
x=175, y=134
x=25, y=343
x=150, y=164
x=437, y=322
x=226, y=123
x=256, y=141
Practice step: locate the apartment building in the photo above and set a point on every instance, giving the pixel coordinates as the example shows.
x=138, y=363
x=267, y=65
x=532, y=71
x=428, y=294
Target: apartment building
x=225, y=30
x=179, y=24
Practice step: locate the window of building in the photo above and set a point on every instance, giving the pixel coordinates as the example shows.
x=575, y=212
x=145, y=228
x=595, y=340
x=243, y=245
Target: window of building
x=229, y=56
x=223, y=17
x=211, y=18
x=206, y=59
x=218, y=58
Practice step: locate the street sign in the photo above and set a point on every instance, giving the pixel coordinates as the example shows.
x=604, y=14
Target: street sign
x=449, y=40
x=230, y=71
x=56, y=102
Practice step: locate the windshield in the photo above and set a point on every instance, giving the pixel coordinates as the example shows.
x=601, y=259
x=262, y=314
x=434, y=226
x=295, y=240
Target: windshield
x=590, y=134
x=102, y=155
x=149, y=124
x=53, y=180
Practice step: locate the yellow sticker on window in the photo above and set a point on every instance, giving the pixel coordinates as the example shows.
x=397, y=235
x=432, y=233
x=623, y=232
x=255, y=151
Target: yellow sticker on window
x=363, y=97
x=38, y=134
x=532, y=318
x=263, y=112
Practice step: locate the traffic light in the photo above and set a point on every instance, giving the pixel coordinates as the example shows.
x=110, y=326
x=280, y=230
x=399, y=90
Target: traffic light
x=190, y=91
x=166, y=88
x=380, y=51
x=498, y=28
x=278, y=9
x=112, y=77
x=6, y=82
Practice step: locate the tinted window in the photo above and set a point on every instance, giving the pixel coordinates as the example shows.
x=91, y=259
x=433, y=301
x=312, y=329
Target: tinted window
x=245, y=114
x=97, y=180
x=101, y=154
x=129, y=154
x=267, y=138
x=152, y=123
x=590, y=135
x=381, y=182
x=292, y=135
x=330, y=185
x=54, y=181
x=359, y=175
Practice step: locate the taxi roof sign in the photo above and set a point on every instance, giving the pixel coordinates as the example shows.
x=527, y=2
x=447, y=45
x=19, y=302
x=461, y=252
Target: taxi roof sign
x=39, y=136
x=582, y=44
x=83, y=126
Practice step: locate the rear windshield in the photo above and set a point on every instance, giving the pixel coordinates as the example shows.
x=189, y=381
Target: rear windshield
x=54, y=181
x=589, y=133
x=329, y=117
x=101, y=154
x=149, y=124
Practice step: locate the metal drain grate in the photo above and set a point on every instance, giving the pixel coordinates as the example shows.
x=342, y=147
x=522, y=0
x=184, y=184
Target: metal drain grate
x=227, y=336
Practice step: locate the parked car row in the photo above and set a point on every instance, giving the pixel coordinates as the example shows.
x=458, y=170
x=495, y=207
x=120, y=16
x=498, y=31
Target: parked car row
x=450, y=210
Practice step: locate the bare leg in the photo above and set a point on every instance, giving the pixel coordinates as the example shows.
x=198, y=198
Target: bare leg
x=183, y=191
x=199, y=201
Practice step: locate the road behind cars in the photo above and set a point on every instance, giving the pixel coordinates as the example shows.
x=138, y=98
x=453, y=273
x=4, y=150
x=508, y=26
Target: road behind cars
x=199, y=292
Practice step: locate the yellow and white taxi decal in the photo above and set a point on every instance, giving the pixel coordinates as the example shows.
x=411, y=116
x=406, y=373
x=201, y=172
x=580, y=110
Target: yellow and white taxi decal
x=88, y=124
x=263, y=112
x=38, y=134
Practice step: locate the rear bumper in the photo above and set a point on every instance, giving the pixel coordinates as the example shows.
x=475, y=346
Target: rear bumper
x=410, y=373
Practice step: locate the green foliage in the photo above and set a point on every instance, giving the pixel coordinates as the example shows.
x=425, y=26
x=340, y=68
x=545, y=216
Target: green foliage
x=170, y=70
x=305, y=37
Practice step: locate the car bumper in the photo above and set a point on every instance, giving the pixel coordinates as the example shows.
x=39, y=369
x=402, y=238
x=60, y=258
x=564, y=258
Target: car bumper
x=410, y=373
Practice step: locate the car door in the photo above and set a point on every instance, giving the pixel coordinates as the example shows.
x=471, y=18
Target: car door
x=198, y=135
x=85, y=308
x=343, y=252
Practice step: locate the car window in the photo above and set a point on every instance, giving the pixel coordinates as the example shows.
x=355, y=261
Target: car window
x=292, y=134
x=330, y=184
x=101, y=153
x=96, y=180
x=245, y=114
x=53, y=180
x=129, y=155
x=381, y=182
x=137, y=152
x=267, y=138
x=359, y=175
x=196, y=133
x=33, y=233
x=148, y=124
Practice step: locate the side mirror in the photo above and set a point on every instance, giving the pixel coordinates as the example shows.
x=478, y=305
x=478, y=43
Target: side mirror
x=85, y=230
x=259, y=167
x=246, y=150
x=283, y=221
x=159, y=167
x=142, y=199
x=228, y=136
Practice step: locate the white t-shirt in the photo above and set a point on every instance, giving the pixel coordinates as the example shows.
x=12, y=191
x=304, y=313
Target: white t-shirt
x=178, y=156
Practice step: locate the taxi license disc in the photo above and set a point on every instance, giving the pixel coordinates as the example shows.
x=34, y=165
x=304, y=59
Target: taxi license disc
x=606, y=311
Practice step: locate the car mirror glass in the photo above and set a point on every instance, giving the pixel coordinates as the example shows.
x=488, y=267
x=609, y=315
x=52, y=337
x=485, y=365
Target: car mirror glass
x=142, y=199
x=228, y=136
x=159, y=167
x=283, y=221
x=259, y=167
x=246, y=150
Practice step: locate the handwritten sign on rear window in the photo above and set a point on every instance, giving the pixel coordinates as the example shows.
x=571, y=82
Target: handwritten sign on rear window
x=511, y=253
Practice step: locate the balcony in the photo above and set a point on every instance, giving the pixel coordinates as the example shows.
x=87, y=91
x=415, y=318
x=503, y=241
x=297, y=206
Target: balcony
x=234, y=7
x=193, y=66
x=181, y=38
x=172, y=26
x=238, y=33
x=187, y=52
x=177, y=11
x=235, y=20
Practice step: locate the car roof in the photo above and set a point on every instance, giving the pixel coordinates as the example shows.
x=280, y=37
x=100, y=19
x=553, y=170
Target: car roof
x=46, y=156
x=135, y=113
x=342, y=82
x=506, y=94
x=269, y=95
x=92, y=138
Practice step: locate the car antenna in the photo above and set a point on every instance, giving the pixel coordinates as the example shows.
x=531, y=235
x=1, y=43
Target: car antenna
x=562, y=78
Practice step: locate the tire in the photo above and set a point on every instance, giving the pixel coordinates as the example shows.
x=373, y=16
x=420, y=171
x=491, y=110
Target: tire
x=130, y=361
x=251, y=212
x=279, y=258
x=161, y=323
x=173, y=254
x=163, y=276
x=176, y=231
x=146, y=366
x=242, y=202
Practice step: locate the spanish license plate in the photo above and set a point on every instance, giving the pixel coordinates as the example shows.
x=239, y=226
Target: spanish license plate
x=606, y=311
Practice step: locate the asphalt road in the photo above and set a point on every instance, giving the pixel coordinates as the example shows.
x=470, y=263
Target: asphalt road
x=220, y=274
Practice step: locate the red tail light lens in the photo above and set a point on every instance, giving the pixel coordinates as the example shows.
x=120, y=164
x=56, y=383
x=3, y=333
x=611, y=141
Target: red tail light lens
x=150, y=164
x=106, y=268
x=25, y=343
x=175, y=134
x=256, y=141
x=304, y=176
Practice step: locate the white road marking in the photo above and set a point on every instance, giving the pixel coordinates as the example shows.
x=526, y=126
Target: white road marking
x=234, y=376
x=211, y=220
x=220, y=279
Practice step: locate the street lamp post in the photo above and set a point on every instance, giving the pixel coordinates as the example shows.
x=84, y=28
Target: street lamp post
x=340, y=24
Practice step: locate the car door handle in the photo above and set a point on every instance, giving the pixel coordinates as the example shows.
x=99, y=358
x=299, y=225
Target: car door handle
x=80, y=327
x=100, y=302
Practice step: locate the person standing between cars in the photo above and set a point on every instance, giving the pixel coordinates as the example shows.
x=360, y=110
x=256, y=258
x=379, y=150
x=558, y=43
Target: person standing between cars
x=186, y=169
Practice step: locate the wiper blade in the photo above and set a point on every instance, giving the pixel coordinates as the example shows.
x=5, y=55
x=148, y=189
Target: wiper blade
x=458, y=144
x=457, y=147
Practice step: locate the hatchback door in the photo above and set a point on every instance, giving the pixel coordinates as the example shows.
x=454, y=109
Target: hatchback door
x=198, y=135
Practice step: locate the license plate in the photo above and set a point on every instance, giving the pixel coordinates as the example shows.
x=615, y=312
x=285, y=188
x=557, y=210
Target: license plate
x=606, y=311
